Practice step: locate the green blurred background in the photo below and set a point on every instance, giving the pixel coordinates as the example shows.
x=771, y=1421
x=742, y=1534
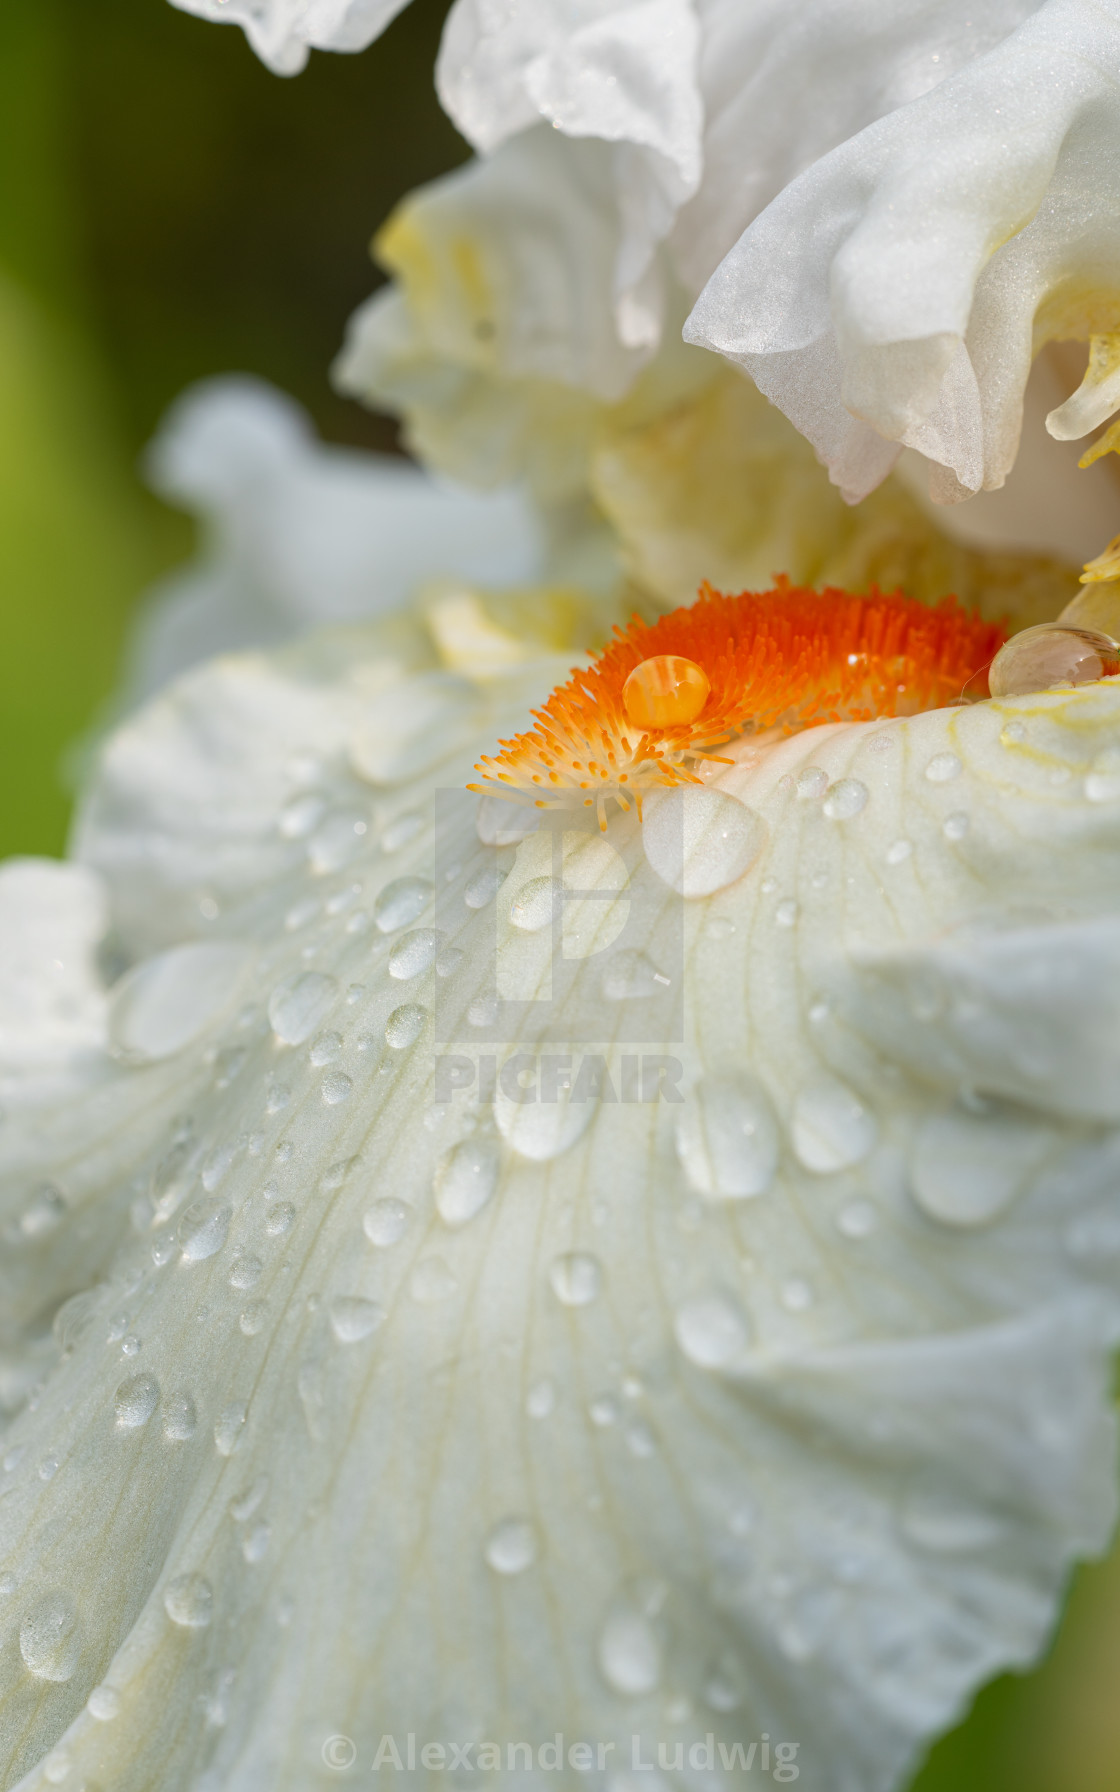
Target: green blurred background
x=169, y=209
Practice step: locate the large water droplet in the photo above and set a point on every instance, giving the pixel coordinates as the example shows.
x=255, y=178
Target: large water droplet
x=699, y=840
x=540, y=1129
x=466, y=1179
x=203, y=1230
x=630, y=1654
x=1049, y=656
x=967, y=1168
x=575, y=1278
x=831, y=1130
x=189, y=1601
x=812, y=782
x=353, y=1318
x=845, y=798
x=415, y=953
x=511, y=1546
x=297, y=1006
x=136, y=1400
x=531, y=908
x=405, y=1025
x=727, y=1137
x=50, y=1638
x=159, y=1006
x=711, y=1330
x=401, y=902
x=386, y=1222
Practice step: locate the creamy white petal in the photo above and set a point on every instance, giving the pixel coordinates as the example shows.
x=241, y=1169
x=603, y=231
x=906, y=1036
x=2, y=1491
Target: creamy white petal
x=896, y=291
x=488, y=1427
x=297, y=533
x=284, y=32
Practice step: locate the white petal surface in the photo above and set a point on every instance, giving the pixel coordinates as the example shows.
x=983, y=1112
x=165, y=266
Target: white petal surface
x=297, y=533
x=896, y=291
x=284, y=32
x=488, y=1427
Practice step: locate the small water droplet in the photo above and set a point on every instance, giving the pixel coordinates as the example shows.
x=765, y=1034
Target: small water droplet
x=253, y=1318
x=135, y=1402
x=711, y=1330
x=203, y=1230
x=48, y=1468
x=943, y=767
x=541, y=1398
x=301, y=816
x=1102, y=785
x=811, y=782
x=335, y=1087
x=189, y=1601
x=353, y=1318
x=180, y=1420
x=104, y=1704
x=604, y=1411
x=229, y=1426
x=831, y=1130
x=386, y=1222
x=297, y=1006
x=415, y=953
x=466, y=1179
x=280, y=1220
x=43, y=1214
x=629, y=1654
x=246, y=1273
x=484, y=885
x=857, y=1220
x=956, y=825
x=511, y=1546
x=254, y=1545
x=575, y=1278
x=325, y=1049
x=899, y=851
x=405, y=1025
x=699, y=840
x=846, y=798
x=786, y=913
x=797, y=1296
x=50, y=1637
x=727, y=1137
x=532, y=906
x=432, y=1280
x=401, y=902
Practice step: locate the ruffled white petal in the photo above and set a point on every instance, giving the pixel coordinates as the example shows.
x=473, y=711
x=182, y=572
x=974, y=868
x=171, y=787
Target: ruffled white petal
x=486, y=1425
x=297, y=533
x=896, y=291
x=284, y=32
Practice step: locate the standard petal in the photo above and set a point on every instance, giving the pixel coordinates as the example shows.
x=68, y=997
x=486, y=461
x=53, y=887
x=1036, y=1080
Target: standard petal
x=481, y=1418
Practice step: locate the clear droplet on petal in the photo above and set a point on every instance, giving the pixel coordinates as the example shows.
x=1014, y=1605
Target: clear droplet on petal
x=1051, y=656
x=43, y=1214
x=511, y=1546
x=699, y=840
x=575, y=1278
x=50, y=1638
x=531, y=908
x=845, y=798
x=180, y=1421
x=280, y=1220
x=104, y=1703
x=135, y=1402
x=386, y=1222
x=297, y=1006
x=966, y=1169
x=812, y=782
x=943, y=768
x=336, y=1086
x=831, y=1130
x=159, y=1006
x=415, y=953
x=405, y=1025
x=541, y=1398
x=229, y=1426
x=727, y=1137
x=401, y=902
x=353, y=1318
x=203, y=1230
x=188, y=1600
x=466, y=1179
x=711, y=1330
x=1102, y=784
x=630, y=1653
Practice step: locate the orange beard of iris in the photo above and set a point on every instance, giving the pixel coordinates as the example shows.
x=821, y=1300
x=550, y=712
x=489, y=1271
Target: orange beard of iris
x=639, y=716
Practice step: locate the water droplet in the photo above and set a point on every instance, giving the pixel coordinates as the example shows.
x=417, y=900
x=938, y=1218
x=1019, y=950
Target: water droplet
x=502, y=823
x=280, y=1220
x=50, y=1637
x=831, y=1130
x=511, y=1546
x=711, y=1330
x=353, y=1318
x=325, y=1049
x=203, y=1230
x=541, y=1398
x=180, y=1420
x=1103, y=782
x=956, y=825
x=415, y=953
x=297, y=1006
x=786, y=913
x=575, y=1278
x=630, y=1654
x=604, y=1411
x=845, y=798
x=254, y=1545
x=405, y=1025
x=217, y=1163
x=253, y=1318
x=857, y=1220
x=339, y=840
x=130, y=1346
x=727, y=1137
x=104, y=1703
x=136, y=1400
x=386, y=1222
x=483, y=1011
x=532, y=906
x=189, y=1601
x=43, y=1213
x=162, y=1004
x=228, y=1427
x=966, y=1169
x=630, y=976
x=811, y=782
x=700, y=840
x=943, y=768
x=301, y=815
x=539, y=1129
x=899, y=851
x=401, y=902
x=466, y=1179
x=432, y=1280
x=246, y=1273
x=797, y=1296
x=48, y=1468
x=336, y=1086
x=484, y=885
x=1049, y=656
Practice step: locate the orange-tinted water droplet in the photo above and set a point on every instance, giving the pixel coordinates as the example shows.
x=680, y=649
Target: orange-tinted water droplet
x=665, y=691
x=1050, y=656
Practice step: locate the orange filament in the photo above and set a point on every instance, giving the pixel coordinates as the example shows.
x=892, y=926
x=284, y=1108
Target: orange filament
x=658, y=699
x=664, y=691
